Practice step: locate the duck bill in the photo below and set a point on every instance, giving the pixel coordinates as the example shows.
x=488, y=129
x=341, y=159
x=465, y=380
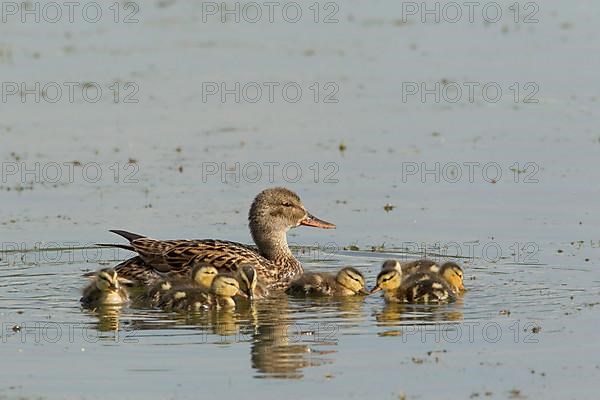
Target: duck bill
x=242, y=294
x=375, y=290
x=311, y=220
x=364, y=291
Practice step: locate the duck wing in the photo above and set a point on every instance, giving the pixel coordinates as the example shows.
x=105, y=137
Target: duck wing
x=167, y=256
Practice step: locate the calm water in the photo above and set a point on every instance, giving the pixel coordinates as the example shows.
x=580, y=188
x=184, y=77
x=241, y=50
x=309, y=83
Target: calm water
x=524, y=224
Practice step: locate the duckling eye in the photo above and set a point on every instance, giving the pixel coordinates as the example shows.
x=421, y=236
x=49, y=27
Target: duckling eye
x=286, y=204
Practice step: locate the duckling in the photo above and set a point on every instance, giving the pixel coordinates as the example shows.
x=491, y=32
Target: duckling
x=420, y=287
x=347, y=282
x=105, y=289
x=221, y=293
x=449, y=271
x=249, y=282
x=202, y=278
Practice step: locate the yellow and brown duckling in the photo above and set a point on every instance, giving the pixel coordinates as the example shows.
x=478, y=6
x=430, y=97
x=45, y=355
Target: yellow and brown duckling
x=201, y=278
x=450, y=272
x=420, y=287
x=250, y=282
x=221, y=293
x=348, y=282
x=106, y=288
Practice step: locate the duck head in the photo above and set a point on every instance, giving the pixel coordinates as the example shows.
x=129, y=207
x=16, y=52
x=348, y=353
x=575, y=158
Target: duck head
x=274, y=212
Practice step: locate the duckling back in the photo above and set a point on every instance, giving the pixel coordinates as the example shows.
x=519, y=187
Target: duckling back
x=423, y=287
x=185, y=300
x=220, y=295
x=313, y=284
x=423, y=265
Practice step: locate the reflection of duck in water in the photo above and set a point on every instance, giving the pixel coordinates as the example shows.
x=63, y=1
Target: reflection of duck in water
x=348, y=282
x=420, y=287
x=106, y=288
x=277, y=349
x=450, y=271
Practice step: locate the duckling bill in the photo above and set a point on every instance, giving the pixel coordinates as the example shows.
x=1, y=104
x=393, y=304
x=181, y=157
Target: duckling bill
x=348, y=282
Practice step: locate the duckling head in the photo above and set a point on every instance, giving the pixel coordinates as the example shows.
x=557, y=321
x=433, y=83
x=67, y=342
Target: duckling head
x=391, y=265
x=107, y=280
x=388, y=280
x=275, y=211
x=204, y=274
x=453, y=274
x=248, y=279
x=351, y=279
x=225, y=286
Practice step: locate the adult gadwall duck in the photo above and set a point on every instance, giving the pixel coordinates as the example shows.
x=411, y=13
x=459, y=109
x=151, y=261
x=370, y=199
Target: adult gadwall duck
x=273, y=212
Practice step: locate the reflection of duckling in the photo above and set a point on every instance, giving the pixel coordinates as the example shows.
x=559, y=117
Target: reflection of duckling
x=202, y=278
x=223, y=288
x=347, y=282
x=105, y=289
x=451, y=272
x=420, y=287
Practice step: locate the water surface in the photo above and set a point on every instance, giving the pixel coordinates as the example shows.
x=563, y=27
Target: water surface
x=531, y=247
